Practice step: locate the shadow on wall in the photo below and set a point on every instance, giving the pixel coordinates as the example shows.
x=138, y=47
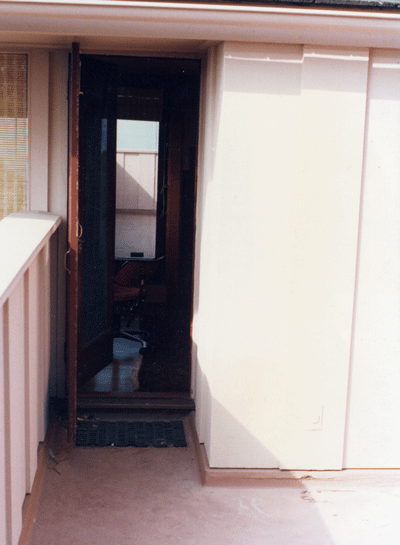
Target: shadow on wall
x=136, y=218
x=282, y=500
x=147, y=201
x=229, y=443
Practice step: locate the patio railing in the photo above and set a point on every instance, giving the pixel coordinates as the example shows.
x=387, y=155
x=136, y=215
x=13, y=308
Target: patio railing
x=27, y=242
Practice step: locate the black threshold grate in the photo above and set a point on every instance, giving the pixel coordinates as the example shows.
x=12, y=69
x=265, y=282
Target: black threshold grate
x=91, y=433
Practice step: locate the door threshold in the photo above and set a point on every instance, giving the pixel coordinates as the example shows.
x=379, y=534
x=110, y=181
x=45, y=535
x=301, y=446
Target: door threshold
x=142, y=401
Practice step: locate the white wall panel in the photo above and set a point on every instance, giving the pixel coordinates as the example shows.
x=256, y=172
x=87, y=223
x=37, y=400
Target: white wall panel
x=33, y=363
x=206, y=249
x=324, y=233
x=136, y=180
x=373, y=432
x=254, y=176
x=4, y=439
x=17, y=409
x=44, y=339
x=136, y=203
x=280, y=211
x=24, y=358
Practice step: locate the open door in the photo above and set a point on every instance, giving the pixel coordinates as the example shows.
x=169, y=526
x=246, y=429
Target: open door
x=97, y=171
x=107, y=91
x=91, y=221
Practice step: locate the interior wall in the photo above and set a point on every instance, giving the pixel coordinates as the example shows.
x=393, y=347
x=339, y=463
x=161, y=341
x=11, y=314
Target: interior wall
x=373, y=438
x=276, y=254
x=136, y=203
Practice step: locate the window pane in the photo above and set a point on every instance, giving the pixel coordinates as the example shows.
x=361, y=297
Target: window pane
x=13, y=133
x=136, y=199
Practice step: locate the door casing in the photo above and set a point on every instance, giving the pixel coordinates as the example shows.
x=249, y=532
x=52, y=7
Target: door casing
x=181, y=154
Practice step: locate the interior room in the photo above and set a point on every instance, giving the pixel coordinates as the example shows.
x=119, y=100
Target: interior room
x=138, y=126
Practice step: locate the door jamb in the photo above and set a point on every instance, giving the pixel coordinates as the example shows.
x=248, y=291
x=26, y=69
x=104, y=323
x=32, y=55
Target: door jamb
x=74, y=232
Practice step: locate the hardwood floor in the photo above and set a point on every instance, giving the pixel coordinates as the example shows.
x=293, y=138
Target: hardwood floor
x=121, y=385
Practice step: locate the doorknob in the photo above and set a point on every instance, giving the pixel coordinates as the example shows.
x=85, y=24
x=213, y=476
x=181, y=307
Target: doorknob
x=65, y=261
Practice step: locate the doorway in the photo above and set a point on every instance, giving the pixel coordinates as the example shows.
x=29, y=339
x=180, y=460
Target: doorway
x=133, y=201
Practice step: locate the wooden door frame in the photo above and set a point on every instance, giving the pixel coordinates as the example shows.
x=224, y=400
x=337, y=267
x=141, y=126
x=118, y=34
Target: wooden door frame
x=74, y=270
x=74, y=294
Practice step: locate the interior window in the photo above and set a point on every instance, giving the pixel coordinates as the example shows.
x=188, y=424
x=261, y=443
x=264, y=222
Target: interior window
x=136, y=198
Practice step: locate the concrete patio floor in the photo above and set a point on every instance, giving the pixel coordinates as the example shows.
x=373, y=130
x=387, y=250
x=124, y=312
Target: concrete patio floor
x=118, y=496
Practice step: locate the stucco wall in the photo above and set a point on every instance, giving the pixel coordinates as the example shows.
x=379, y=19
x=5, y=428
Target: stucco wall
x=277, y=253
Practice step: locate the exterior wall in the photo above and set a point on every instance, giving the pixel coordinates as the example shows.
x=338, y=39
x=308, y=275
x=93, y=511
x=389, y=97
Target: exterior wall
x=283, y=165
x=203, y=310
x=136, y=203
x=373, y=429
x=48, y=177
x=277, y=256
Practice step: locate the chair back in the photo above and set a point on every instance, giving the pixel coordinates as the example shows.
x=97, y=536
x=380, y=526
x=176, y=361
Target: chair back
x=135, y=273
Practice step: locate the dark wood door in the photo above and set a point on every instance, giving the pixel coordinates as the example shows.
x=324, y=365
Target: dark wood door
x=91, y=221
x=97, y=172
x=172, y=87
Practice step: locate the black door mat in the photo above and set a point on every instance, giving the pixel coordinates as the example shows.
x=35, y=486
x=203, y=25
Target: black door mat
x=130, y=434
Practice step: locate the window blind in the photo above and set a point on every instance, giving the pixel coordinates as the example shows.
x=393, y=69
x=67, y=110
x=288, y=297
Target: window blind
x=13, y=133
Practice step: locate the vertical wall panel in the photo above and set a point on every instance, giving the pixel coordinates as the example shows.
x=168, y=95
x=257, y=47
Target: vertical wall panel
x=33, y=405
x=373, y=430
x=127, y=190
x=247, y=265
x=17, y=409
x=40, y=287
x=324, y=234
x=281, y=211
x=29, y=459
x=46, y=339
x=24, y=358
x=4, y=439
x=206, y=248
x=43, y=339
x=136, y=203
x=136, y=180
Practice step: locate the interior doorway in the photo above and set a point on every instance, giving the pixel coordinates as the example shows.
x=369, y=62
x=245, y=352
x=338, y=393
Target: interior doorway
x=133, y=202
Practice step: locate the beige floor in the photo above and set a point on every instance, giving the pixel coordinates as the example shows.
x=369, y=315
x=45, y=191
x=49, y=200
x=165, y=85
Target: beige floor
x=116, y=496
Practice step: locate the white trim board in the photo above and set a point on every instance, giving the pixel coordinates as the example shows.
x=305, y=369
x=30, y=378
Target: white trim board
x=97, y=23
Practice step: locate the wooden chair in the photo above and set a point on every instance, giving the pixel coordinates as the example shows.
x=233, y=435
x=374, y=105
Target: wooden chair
x=129, y=296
